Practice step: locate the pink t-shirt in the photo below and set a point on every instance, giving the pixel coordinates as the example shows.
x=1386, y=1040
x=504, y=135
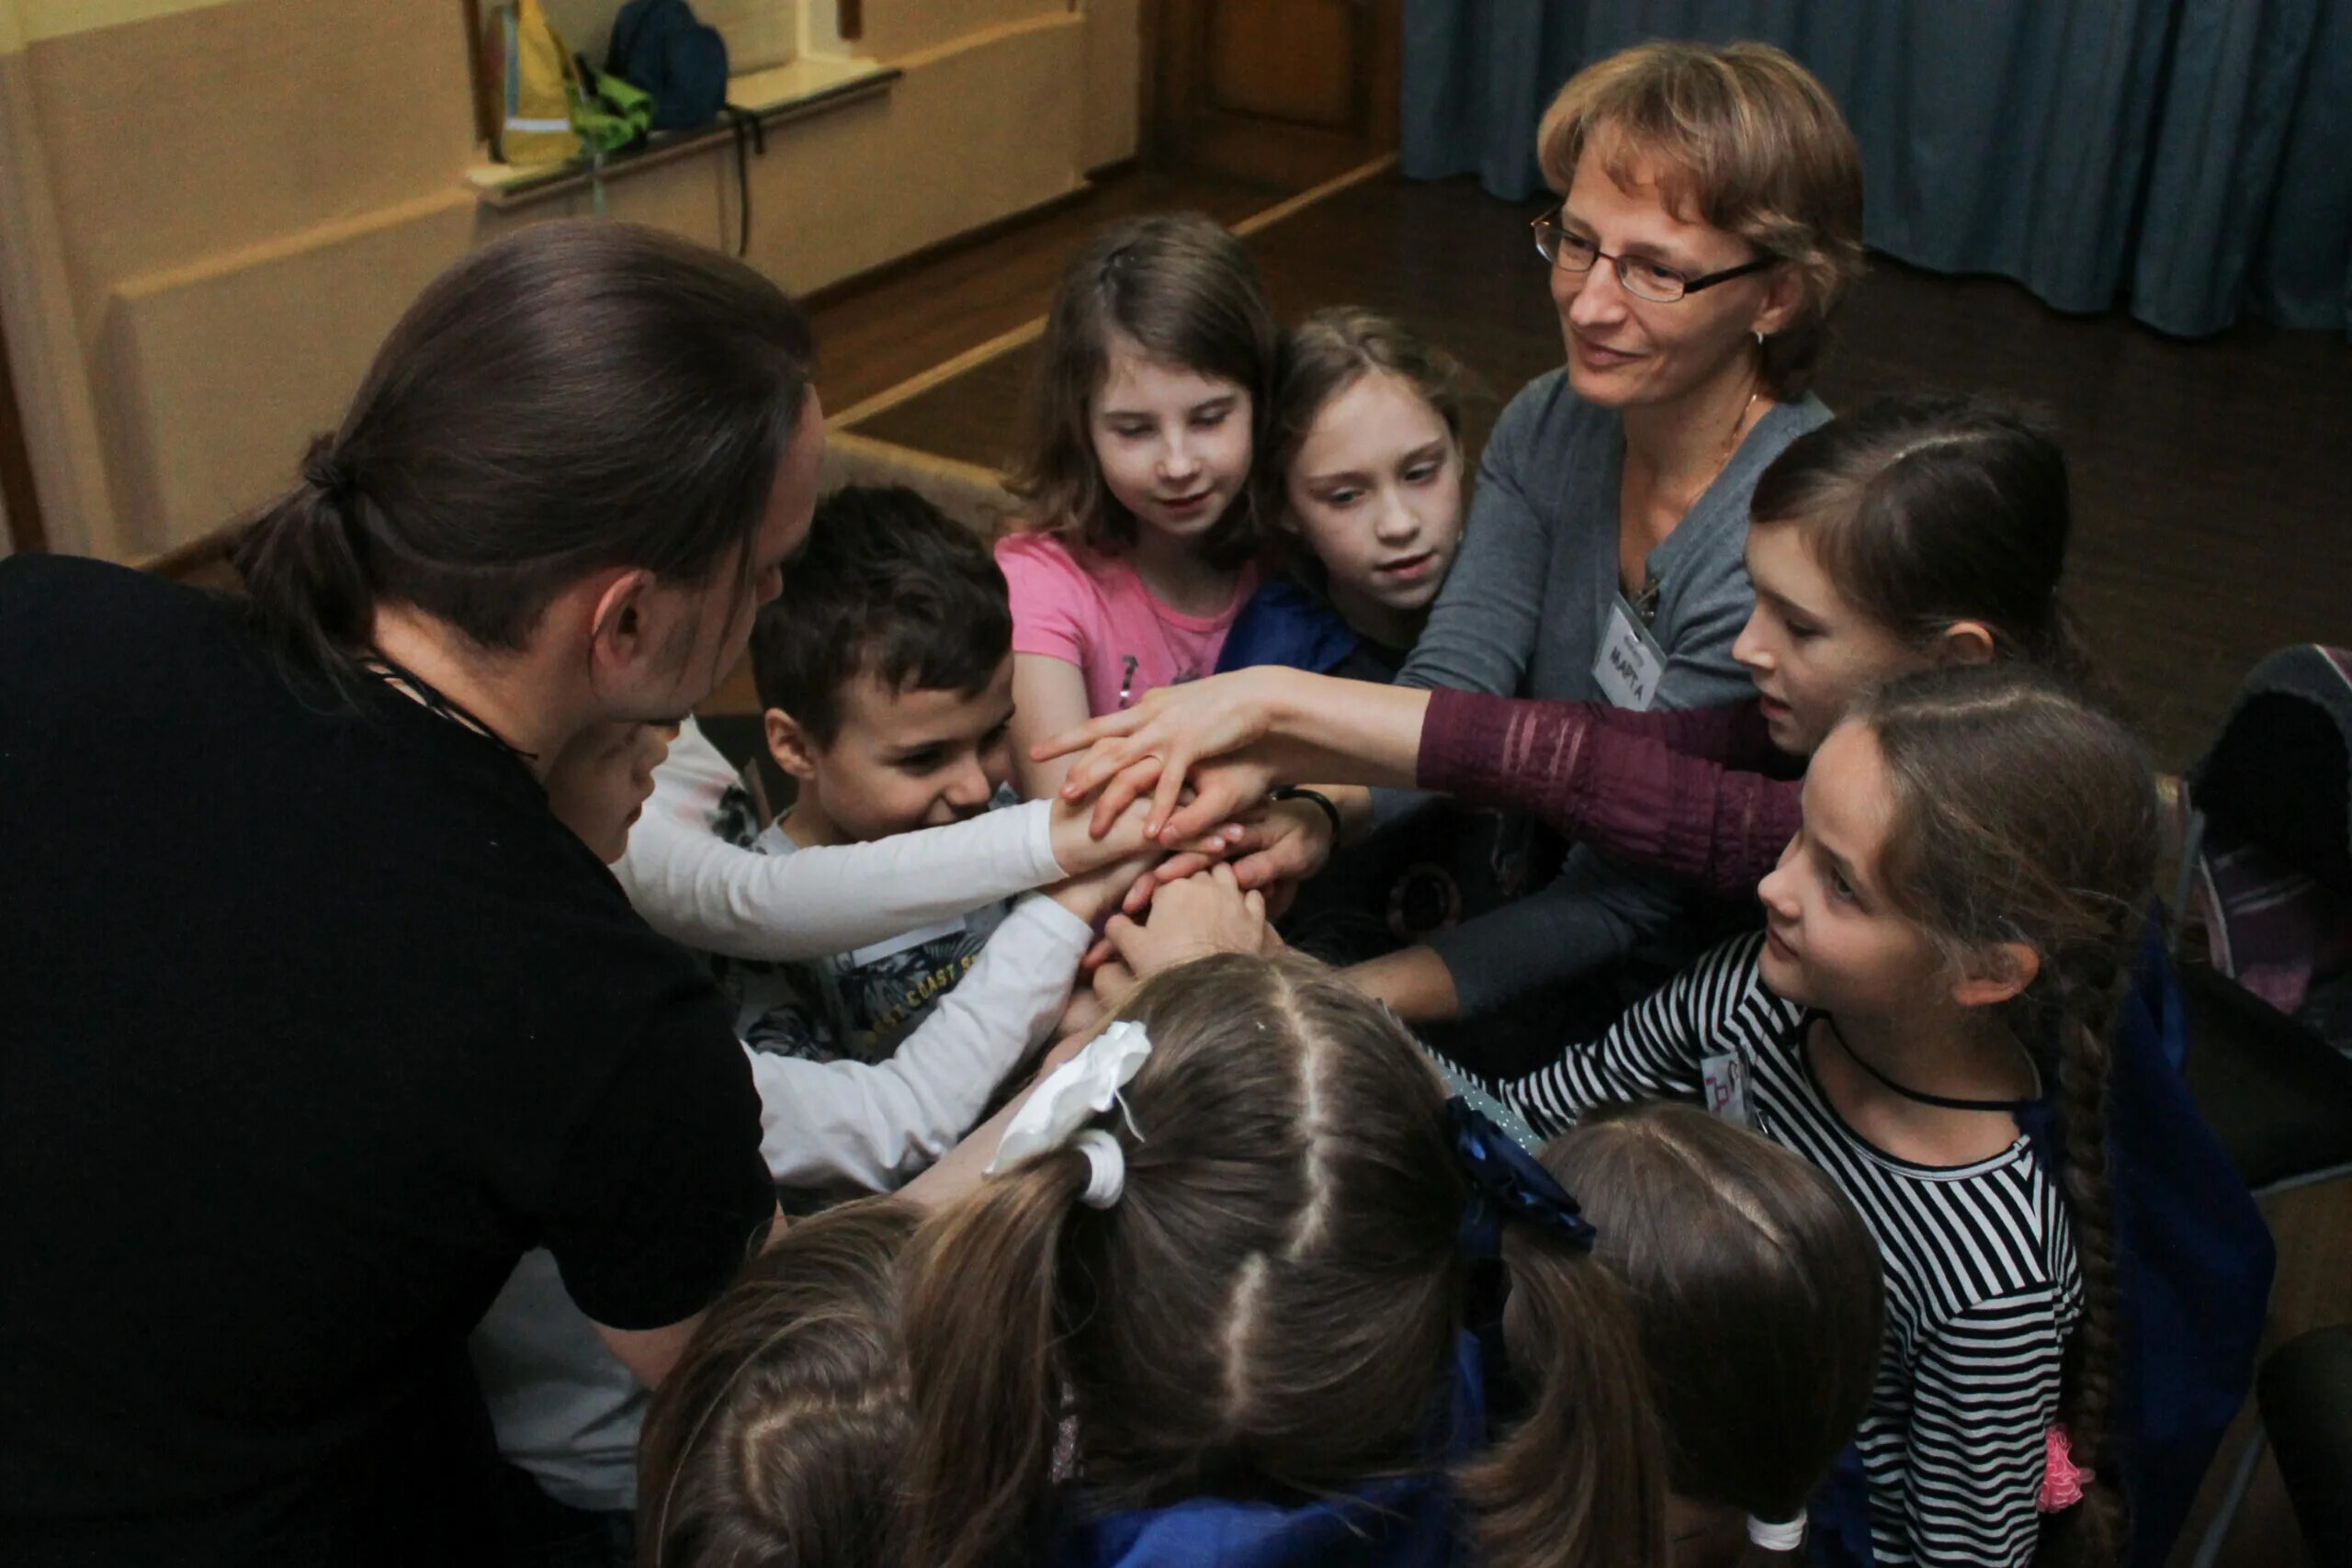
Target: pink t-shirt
x=1094, y=611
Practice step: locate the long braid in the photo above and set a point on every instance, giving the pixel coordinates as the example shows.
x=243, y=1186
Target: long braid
x=2087, y=1009
x=2027, y=819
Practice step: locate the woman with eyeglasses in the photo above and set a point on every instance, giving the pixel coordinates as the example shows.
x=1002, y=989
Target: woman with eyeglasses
x=1710, y=220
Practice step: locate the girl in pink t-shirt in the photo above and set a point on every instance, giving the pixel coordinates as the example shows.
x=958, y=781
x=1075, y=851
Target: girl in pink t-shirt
x=1138, y=548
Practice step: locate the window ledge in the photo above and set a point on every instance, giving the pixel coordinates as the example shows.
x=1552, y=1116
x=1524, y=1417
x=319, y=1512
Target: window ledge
x=812, y=84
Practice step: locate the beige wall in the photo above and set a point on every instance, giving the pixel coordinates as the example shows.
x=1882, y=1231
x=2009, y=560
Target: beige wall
x=194, y=273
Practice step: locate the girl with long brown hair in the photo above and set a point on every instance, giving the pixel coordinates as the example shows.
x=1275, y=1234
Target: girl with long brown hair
x=779, y=1436
x=1951, y=931
x=1755, y=1283
x=1223, y=1304
x=1919, y=531
x=1136, y=548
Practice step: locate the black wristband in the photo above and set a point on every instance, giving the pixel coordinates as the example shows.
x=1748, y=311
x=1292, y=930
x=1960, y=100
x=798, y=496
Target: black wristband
x=1300, y=792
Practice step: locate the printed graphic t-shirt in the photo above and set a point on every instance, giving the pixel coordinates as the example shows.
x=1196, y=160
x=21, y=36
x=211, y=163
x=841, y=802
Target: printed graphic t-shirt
x=855, y=1006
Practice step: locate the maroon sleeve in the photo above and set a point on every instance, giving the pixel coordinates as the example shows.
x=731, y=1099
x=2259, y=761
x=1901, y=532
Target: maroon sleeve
x=1623, y=787
x=1735, y=734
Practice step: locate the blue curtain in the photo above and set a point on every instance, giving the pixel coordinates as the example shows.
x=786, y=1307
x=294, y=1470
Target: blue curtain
x=2193, y=156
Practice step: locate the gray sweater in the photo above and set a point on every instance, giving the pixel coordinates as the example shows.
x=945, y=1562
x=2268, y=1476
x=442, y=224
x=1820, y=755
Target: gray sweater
x=1523, y=614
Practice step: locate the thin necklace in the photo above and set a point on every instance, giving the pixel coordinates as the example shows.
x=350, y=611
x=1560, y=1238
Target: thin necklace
x=1646, y=601
x=1731, y=444
x=1943, y=1101
x=388, y=672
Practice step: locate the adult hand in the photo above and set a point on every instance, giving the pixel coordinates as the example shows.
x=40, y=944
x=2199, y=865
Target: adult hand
x=1204, y=914
x=1158, y=745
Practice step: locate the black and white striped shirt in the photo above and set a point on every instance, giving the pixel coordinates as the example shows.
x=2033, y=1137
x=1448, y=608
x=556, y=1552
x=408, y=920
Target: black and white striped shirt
x=1982, y=1283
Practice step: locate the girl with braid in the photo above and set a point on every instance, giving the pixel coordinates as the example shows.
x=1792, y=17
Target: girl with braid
x=1918, y=531
x=1947, y=939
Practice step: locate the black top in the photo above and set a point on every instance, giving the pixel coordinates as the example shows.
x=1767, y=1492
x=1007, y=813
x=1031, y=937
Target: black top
x=313, y=1020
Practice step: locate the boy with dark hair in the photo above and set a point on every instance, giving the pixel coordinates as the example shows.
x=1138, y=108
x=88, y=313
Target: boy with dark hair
x=884, y=672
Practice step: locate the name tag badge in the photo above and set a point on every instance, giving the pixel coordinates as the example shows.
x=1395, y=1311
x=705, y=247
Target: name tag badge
x=1631, y=661
x=1725, y=1079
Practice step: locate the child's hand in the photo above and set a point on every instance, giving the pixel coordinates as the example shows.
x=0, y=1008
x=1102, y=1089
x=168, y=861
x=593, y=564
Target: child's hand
x=1081, y=854
x=1113, y=983
x=1086, y=1008
x=1273, y=848
x=1095, y=894
x=1203, y=914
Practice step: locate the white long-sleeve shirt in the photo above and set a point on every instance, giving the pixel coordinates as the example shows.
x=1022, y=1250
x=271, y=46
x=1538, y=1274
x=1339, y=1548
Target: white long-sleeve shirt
x=879, y=1125
x=564, y=1408
x=696, y=888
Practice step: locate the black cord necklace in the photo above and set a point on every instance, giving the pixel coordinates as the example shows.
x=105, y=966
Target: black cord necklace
x=1943, y=1101
x=388, y=671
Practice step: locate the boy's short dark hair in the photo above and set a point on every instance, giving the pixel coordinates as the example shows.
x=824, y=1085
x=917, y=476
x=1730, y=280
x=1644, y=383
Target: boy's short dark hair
x=886, y=586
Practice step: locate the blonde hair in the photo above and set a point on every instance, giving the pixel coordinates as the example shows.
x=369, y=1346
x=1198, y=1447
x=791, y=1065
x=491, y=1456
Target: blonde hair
x=1742, y=136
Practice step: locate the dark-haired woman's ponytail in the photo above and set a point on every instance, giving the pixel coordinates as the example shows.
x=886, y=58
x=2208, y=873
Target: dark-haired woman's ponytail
x=984, y=1379
x=301, y=569
x=1583, y=1478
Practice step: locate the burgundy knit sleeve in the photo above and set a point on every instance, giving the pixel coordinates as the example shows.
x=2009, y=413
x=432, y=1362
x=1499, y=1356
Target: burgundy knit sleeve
x=1623, y=787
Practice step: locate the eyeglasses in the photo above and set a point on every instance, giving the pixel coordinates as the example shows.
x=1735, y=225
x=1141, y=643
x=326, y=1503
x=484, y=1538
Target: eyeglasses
x=1572, y=252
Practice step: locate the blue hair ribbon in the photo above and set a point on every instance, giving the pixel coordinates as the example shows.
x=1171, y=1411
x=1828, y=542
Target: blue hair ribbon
x=1506, y=1184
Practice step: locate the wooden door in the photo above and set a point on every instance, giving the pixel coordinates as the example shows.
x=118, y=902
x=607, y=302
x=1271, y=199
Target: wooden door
x=1289, y=91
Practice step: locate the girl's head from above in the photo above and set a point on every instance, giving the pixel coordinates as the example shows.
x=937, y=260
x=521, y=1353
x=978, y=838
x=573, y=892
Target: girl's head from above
x=599, y=784
x=1919, y=531
x=1150, y=390
x=1267, y=1304
x=1727, y=188
x=1365, y=464
x=1756, y=1287
x=1973, y=837
x=779, y=1434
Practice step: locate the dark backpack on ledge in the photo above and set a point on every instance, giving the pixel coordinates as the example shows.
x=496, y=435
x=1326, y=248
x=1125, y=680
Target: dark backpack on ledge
x=661, y=47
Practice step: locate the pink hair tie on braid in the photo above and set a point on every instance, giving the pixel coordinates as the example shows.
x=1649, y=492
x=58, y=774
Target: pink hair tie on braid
x=2062, y=1480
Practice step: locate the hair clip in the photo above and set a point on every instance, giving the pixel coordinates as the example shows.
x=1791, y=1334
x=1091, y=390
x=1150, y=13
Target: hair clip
x=1056, y=1112
x=1506, y=1183
x=2063, y=1481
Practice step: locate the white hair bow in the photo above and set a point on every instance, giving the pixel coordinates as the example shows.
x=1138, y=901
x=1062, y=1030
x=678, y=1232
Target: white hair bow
x=1057, y=1111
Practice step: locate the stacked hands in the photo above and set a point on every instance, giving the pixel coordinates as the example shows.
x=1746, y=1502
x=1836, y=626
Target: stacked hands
x=1178, y=785
x=1201, y=759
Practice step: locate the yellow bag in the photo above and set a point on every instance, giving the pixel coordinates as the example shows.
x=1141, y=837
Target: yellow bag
x=535, y=127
